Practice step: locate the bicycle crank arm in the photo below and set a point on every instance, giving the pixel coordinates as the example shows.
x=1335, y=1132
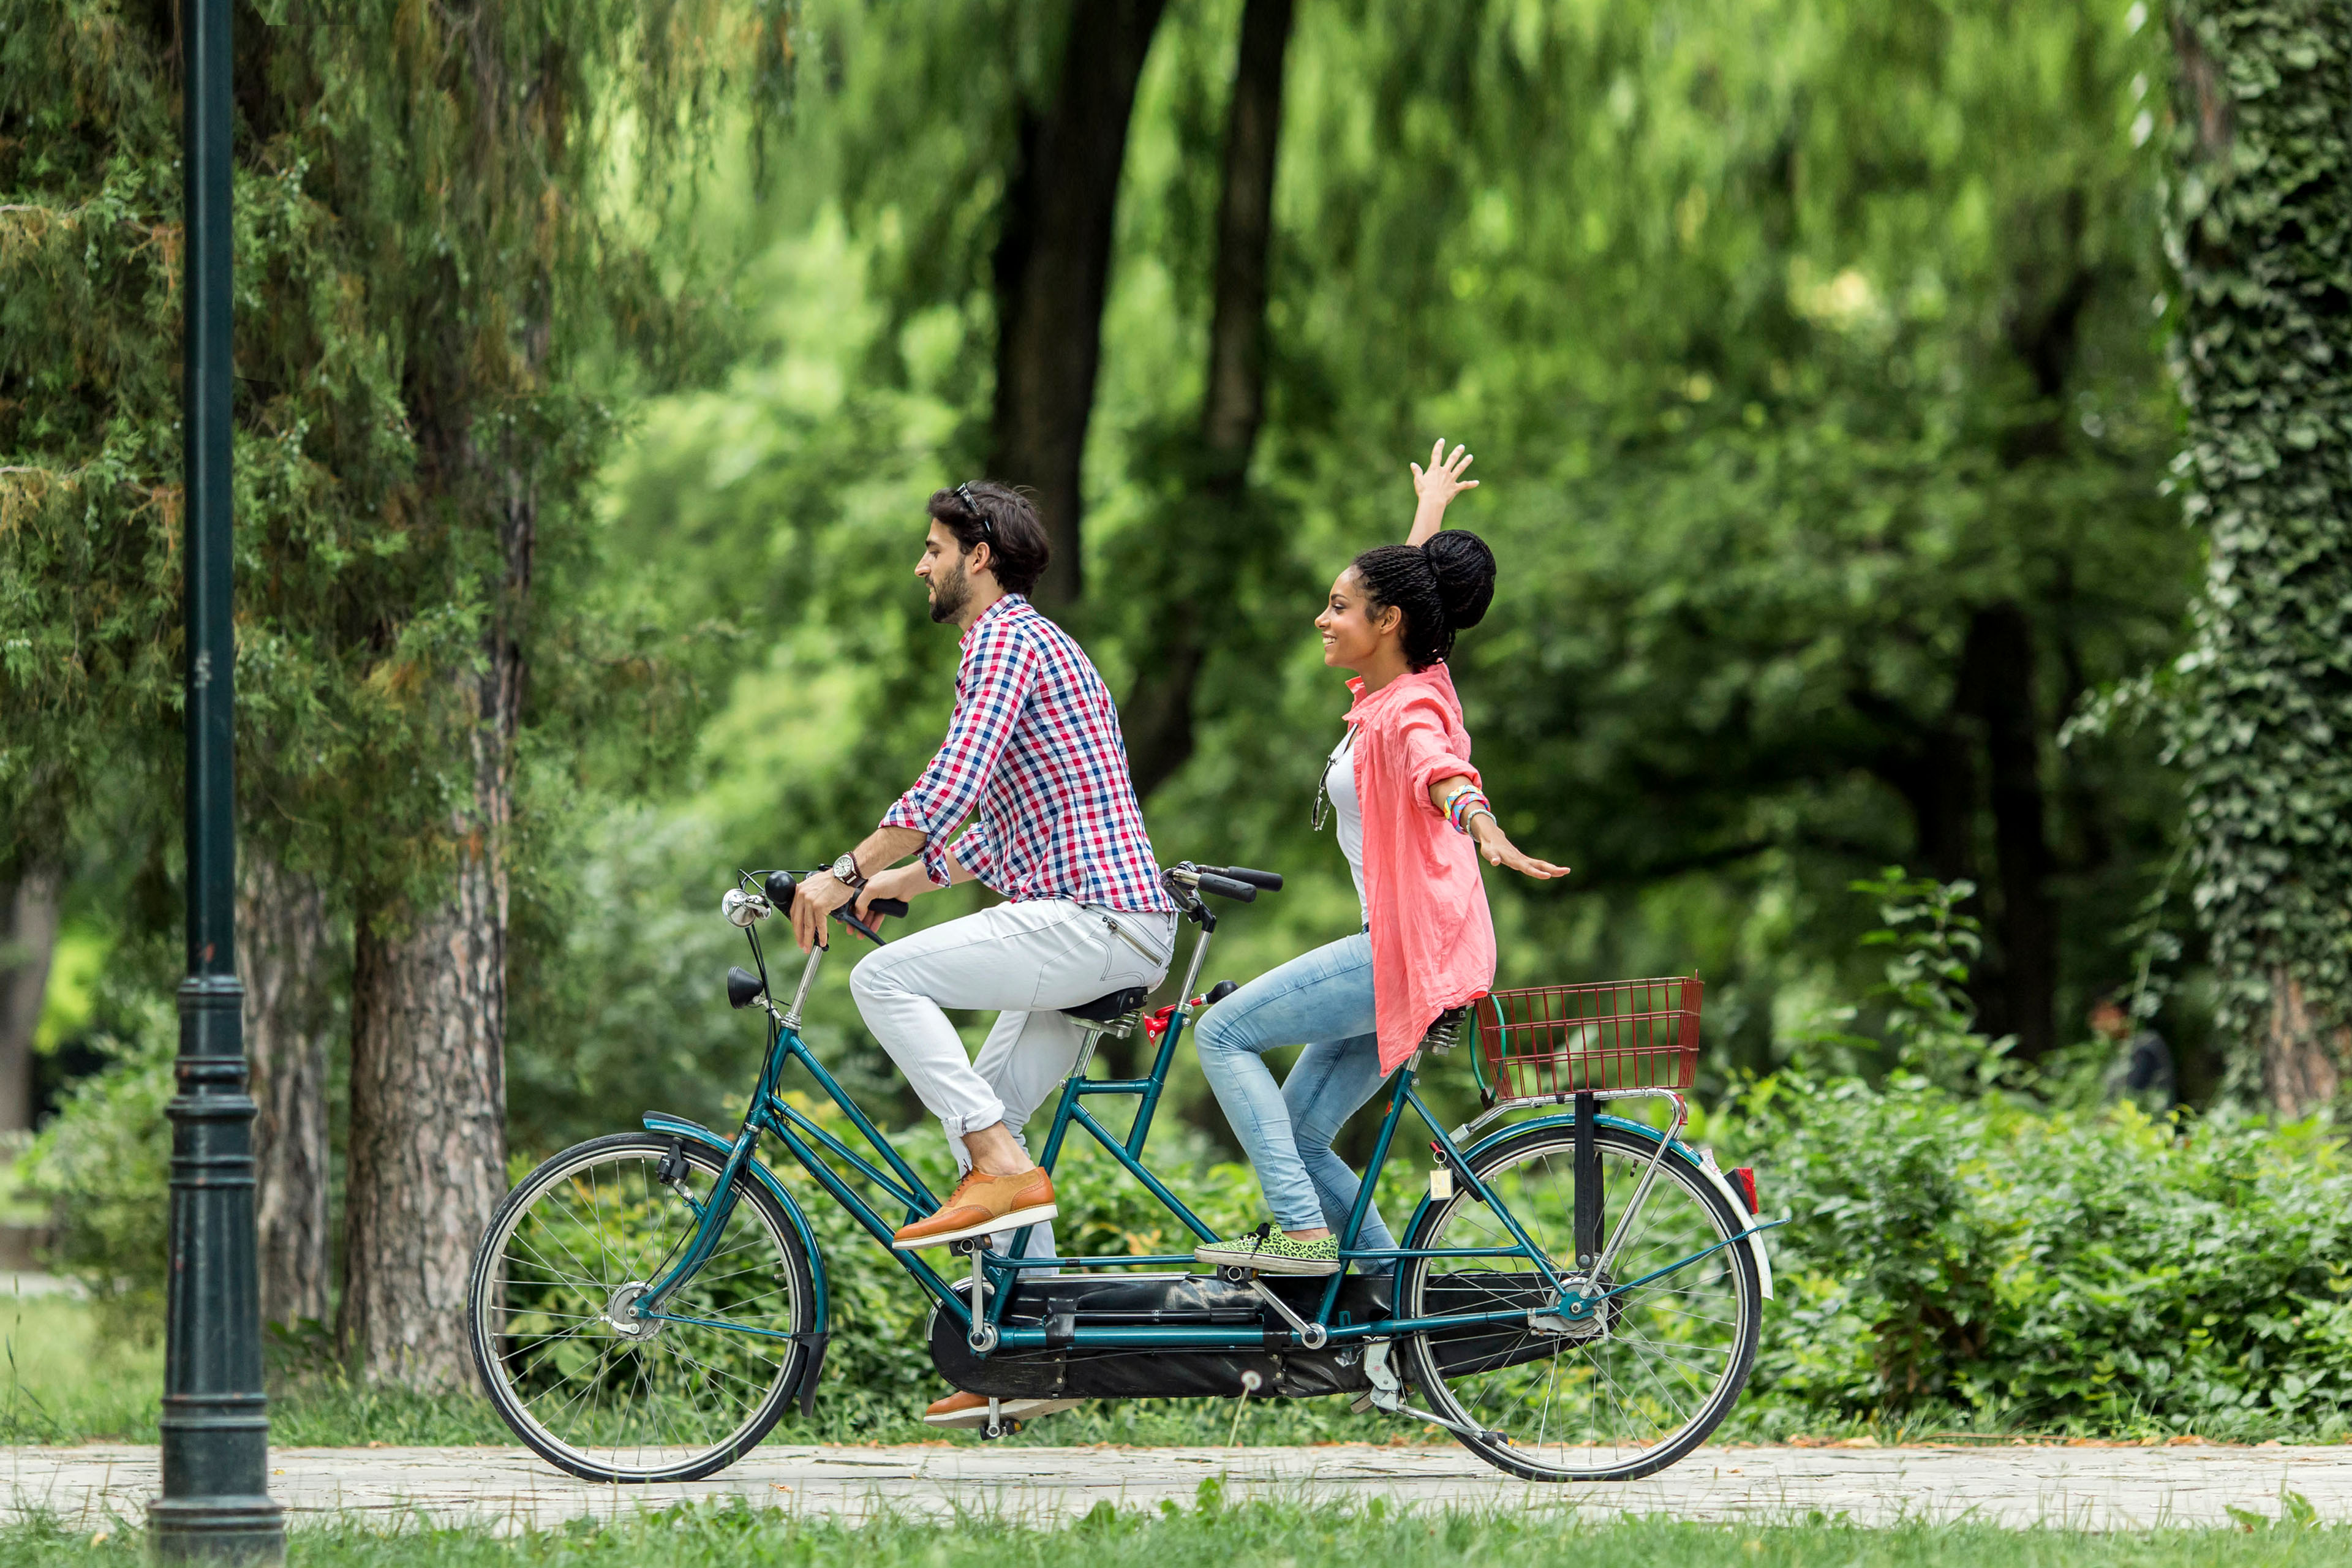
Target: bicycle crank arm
x=1311, y=1335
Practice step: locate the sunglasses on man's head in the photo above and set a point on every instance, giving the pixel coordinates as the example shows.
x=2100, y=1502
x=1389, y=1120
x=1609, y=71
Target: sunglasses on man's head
x=987, y=529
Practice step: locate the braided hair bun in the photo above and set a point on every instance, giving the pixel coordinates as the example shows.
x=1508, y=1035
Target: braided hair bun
x=1443, y=587
x=1466, y=576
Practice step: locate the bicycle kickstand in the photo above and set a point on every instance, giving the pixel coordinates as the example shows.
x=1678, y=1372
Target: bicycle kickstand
x=1388, y=1395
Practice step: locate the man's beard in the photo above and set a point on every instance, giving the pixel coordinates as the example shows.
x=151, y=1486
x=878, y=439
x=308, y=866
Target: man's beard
x=949, y=595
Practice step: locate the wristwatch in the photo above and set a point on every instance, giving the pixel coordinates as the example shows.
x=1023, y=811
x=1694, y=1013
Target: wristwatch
x=844, y=870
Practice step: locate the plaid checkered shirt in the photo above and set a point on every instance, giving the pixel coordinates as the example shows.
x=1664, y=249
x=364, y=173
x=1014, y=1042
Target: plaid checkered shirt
x=1035, y=744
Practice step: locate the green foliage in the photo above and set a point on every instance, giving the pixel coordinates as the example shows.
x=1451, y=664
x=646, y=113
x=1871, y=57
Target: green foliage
x=2261, y=230
x=1961, y=1250
x=2015, y=1269
x=103, y=1163
x=1766, y=420
x=435, y=266
x=1929, y=1021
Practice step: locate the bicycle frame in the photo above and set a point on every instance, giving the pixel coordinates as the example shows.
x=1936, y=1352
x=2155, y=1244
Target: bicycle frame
x=809, y=1142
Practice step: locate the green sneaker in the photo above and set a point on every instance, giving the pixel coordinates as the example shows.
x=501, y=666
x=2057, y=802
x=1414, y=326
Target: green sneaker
x=1268, y=1251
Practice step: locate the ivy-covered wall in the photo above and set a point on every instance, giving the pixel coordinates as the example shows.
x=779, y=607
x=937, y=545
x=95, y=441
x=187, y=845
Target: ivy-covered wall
x=2261, y=231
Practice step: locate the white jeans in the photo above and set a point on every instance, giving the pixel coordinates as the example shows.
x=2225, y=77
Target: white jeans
x=1026, y=960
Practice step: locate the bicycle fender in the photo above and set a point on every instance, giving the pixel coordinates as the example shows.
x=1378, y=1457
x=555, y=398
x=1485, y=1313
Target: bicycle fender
x=1716, y=1178
x=679, y=1127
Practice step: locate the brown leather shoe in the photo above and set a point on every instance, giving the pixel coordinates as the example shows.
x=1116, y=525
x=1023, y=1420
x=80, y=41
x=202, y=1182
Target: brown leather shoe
x=981, y=1204
x=962, y=1412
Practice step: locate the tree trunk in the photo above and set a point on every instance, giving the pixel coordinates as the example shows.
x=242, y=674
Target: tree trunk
x=2260, y=226
x=429, y=1127
x=1936, y=775
x=2300, y=1056
x=286, y=955
x=28, y=935
x=2020, y=983
x=1157, y=718
x=1053, y=268
x=428, y=1163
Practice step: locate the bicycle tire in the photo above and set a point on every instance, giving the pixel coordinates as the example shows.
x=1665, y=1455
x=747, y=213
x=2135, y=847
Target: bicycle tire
x=1685, y=1211
x=514, y=1280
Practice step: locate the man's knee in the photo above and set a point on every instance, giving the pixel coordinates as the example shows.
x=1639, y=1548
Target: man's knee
x=875, y=978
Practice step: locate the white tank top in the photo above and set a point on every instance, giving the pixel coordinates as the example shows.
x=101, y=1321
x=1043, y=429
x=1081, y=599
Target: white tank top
x=1347, y=812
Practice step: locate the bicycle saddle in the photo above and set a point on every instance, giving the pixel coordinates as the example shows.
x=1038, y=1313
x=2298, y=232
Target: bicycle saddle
x=1105, y=1009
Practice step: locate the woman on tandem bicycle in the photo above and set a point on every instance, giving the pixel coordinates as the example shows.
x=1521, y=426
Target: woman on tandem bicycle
x=1577, y=1296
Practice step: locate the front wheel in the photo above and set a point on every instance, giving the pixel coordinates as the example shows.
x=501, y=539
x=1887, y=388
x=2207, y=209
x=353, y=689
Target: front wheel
x=598, y=1390
x=1643, y=1380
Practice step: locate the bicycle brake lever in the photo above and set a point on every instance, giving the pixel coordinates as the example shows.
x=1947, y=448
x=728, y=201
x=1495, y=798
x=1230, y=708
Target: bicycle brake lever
x=859, y=926
x=881, y=906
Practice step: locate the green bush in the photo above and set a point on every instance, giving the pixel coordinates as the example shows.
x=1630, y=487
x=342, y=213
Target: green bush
x=104, y=1163
x=2019, y=1269
x=1964, y=1248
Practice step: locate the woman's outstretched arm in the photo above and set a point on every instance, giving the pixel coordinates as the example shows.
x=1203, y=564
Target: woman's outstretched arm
x=1436, y=485
x=1486, y=833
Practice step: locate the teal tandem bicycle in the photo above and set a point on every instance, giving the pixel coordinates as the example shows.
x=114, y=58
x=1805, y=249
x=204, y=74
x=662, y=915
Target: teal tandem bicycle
x=1577, y=1295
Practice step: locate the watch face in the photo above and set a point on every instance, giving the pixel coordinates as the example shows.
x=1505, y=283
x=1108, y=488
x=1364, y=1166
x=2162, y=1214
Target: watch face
x=846, y=868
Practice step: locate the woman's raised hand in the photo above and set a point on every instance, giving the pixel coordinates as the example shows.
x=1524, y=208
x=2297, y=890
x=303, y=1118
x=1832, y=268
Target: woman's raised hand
x=1443, y=481
x=1436, y=485
x=1498, y=849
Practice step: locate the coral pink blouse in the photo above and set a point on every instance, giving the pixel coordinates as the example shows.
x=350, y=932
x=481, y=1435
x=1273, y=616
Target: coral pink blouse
x=1432, y=939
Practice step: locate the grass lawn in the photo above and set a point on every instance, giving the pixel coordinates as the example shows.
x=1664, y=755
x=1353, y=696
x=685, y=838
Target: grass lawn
x=1210, y=1536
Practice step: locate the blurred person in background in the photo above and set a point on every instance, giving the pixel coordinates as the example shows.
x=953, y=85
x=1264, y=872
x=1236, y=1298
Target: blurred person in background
x=2141, y=1070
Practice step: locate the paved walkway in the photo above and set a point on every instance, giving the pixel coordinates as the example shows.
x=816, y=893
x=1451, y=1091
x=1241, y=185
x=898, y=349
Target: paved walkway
x=2082, y=1487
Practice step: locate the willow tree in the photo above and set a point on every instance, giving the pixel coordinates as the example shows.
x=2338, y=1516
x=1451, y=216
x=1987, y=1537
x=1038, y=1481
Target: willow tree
x=439, y=277
x=2261, y=234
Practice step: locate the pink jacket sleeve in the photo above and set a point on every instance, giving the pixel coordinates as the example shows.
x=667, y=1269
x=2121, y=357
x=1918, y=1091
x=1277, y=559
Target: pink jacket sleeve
x=1433, y=749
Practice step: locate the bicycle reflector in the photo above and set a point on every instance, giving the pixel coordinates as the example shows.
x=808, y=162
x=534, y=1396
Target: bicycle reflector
x=1743, y=1178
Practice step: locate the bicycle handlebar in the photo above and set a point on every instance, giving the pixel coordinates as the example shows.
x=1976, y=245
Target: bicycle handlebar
x=1271, y=881
x=1225, y=887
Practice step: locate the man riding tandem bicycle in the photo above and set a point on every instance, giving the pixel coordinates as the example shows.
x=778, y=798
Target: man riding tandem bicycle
x=1577, y=1296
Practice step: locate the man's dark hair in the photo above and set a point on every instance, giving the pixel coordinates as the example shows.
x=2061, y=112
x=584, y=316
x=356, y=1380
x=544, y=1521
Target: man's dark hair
x=1442, y=587
x=986, y=512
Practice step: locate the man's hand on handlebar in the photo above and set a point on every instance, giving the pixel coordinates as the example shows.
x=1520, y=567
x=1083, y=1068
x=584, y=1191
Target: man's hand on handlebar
x=905, y=883
x=818, y=897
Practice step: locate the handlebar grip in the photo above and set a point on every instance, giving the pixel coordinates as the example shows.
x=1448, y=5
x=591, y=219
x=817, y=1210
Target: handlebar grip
x=1226, y=888
x=1271, y=881
x=892, y=907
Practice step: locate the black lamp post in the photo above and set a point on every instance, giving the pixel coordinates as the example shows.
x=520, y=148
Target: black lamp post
x=215, y=1496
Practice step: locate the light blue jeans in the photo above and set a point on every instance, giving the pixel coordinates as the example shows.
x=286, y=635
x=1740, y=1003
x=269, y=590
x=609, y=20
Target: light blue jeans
x=1323, y=999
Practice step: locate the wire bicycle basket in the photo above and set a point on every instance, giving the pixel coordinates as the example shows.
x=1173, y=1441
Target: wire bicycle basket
x=1546, y=1042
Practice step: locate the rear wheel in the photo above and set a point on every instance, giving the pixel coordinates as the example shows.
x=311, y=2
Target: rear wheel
x=598, y=1391
x=1640, y=1383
